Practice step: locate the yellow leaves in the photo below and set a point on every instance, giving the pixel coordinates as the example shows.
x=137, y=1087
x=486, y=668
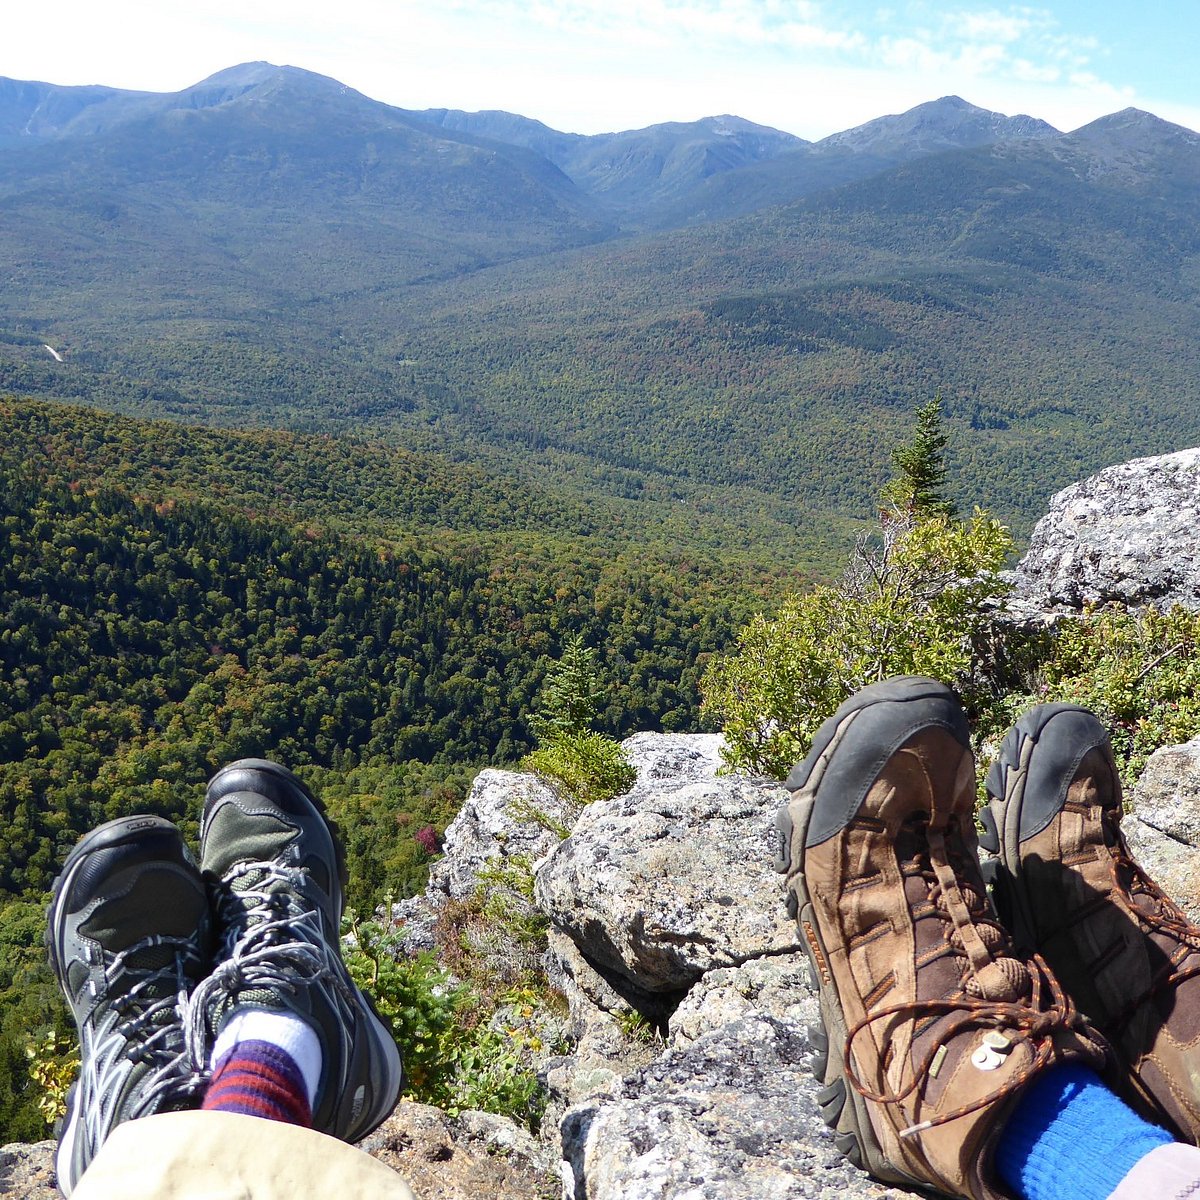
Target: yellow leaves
x=53, y=1065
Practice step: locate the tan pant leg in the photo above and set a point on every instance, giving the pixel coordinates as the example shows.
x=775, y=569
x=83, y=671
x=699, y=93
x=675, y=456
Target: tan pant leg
x=227, y=1156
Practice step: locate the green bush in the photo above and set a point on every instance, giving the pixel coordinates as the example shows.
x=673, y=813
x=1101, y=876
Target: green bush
x=452, y=1057
x=915, y=599
x=586, y=766
x=1139, y=672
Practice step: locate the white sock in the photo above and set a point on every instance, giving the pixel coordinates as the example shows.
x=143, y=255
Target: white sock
x=294, y=1037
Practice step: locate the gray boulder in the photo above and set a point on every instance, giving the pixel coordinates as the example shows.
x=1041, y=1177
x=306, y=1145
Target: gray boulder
x=1163, y=826
x=732, y=1117
x=779, y=987
x=1126, y=534
x=674, y=758
x=670, y=881
x=664, y=904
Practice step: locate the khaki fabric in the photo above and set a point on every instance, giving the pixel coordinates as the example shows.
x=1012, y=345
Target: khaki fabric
x=227, y=1156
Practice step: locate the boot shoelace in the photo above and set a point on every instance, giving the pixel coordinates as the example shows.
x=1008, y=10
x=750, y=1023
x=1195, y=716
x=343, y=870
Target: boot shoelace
x=149, y=1031
x=273, y=945
x=1030, y=1017
x=1162, y=913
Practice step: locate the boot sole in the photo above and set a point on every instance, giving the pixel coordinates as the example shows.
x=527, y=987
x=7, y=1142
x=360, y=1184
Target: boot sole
x=841, y=1107
x=1015, y=812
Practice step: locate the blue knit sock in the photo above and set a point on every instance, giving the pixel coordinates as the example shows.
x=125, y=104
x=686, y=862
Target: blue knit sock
x=1070, y=1138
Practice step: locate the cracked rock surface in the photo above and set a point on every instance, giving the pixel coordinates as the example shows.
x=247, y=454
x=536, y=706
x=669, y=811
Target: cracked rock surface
x=671, y=880
x=1126, y=534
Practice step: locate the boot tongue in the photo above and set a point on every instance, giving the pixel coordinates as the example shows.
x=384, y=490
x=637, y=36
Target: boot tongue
x=120, y=922
x=248, y=837
x=1001, y=978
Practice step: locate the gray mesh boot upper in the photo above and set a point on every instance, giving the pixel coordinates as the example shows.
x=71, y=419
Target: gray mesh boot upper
x=128, y=939
x=271, y=858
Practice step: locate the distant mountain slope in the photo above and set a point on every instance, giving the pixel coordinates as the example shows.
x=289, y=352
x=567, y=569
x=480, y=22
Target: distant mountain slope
x=1050, y=296
x=639, y=168
x=933, y=128
x=264, y=170
x=506, y=127
x=271, y=248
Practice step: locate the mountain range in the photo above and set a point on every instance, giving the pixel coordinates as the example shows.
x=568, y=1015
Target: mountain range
x=714, y=314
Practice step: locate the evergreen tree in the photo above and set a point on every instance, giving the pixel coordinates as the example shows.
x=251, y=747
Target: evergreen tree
x=919, y=486
x=569, y=699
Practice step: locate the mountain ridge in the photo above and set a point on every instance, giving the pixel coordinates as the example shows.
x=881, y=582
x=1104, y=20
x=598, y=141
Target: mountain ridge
x=292, y=253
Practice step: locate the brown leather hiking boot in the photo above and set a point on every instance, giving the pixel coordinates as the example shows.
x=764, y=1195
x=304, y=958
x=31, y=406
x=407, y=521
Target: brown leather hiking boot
x=932, y=1025
x=1069, y=889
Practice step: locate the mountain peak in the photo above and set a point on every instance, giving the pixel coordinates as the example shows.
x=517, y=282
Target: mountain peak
x=728, y=125
x=1138, y=145
x=250, y=76
x=1137, y=121
x=949, y=123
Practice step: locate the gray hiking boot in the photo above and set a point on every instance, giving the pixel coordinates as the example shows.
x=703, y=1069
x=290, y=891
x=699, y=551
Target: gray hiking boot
x=128, y=938
x=931, y=1024
x=1069, y=889
x=272, y=859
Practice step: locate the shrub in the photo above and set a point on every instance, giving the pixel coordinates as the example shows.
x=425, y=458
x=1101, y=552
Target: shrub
x=452, y=1057
x=916, y=598
x=1139, y=672
x=586, y=766
x=53, y=1065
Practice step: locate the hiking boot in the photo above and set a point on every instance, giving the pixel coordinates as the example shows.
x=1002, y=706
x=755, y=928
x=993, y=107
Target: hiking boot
x=272, y=860
x=127, y=934
x=931, y=1024
x=1069, y=889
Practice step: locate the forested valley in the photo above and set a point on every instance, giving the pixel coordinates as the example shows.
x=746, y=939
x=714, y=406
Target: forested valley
x=152, y=629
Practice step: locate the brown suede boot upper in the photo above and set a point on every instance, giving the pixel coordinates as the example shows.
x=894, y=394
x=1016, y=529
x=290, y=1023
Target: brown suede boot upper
x=1127, y=954
x=940, y=1024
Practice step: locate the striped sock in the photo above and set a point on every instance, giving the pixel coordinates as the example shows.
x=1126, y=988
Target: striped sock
x=260, y=1080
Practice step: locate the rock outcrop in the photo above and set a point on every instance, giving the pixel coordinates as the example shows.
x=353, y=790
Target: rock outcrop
x=27, y=1171
x=505, y=816
x=679, y=961
x=1163, y=825
x=1126, y=534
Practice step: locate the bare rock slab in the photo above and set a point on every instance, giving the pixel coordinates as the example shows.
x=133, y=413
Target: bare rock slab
x=674, y=758
x=668, y=882
x=504, y=816
x=732, y=1117
x=27, y=1171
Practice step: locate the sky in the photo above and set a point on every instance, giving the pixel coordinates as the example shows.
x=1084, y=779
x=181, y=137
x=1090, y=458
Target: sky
x=811, y=67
